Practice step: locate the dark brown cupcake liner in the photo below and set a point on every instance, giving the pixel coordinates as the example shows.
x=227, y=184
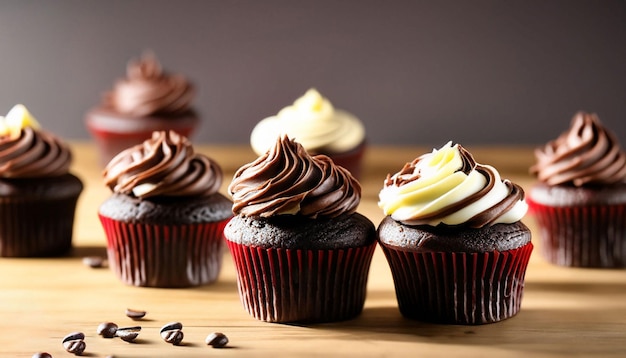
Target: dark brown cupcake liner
x=351, y=160
x=290, y=285
x=36, y=228
x=582, y=236
x=459, y=288
x=165, y=255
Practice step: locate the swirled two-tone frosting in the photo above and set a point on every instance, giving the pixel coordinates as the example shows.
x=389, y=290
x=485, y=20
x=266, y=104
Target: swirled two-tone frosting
x=148, y=90
x=163, y=166
x=314, y=123
x=586, y=154
x=448, y=187
x=287, y=180
x=26, y=151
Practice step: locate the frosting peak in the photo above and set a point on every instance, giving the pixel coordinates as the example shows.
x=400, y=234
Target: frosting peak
x=26, y=151
x=287, y=180
x=163, y=166
x=586, y=154
x=448, y=187
x=148, y=90
x=314, y=122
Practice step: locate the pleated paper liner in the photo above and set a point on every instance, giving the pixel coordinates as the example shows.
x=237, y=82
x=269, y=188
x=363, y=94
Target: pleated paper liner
x=459, y=288
x=312, y=286
x=36, y=228
x=165, y=255
x=582, y=236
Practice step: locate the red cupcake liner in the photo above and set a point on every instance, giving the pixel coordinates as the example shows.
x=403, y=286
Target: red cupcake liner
x=36, y=228
x=352, y=160
x=290, y=285
x=164, y=255
x=582, y=236
x=459, y=288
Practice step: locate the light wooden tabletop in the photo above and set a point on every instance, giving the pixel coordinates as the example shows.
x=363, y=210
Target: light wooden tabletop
x=565, y=312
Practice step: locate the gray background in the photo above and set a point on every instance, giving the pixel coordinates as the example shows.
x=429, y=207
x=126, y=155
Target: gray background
x=416, y=72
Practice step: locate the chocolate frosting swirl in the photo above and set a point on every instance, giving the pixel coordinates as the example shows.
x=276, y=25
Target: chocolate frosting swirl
x=163, y=166
x=148, y=90
x=287, y=180
x=586, y=154
x=33, y=154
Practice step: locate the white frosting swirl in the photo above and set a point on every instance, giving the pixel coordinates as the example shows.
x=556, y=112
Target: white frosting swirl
x=447, y=186
x=314, y=123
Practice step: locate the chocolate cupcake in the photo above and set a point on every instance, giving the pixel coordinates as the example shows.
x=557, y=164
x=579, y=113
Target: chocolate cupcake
x=38, y=194
x=579, y=201
x=301, y=251
x=147, y=100
x=164, y=222
x=453, y=238
x=319, y=127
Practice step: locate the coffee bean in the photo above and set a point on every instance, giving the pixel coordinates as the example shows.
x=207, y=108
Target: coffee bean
x=107, y=329
x=42, y=355
x=128, y=334
x=94, y=261
x=74, y=343
x=216, y=339
x=172, y=333
x=135, y=314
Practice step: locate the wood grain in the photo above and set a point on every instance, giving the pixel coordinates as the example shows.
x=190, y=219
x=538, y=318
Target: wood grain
x=565, y=311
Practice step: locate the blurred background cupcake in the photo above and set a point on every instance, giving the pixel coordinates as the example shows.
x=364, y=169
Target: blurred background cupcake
x=164, y=221
x=453, y=238
x=38, y=194
x=579, y=200
x=301, y=252
x=319, y=127
x=148, y=99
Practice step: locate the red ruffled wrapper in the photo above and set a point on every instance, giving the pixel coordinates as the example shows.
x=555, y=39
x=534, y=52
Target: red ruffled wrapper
x=582, y=236
x=167, y=256
x=289, y=285
x=36, y=228
x=459, y=288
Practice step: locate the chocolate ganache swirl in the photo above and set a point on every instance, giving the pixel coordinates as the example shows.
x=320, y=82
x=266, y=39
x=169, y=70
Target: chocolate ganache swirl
x=586, y=154
x=163, y=166
x=32, y=153
x=148, y=90
x=287, y=180
x=448, y=187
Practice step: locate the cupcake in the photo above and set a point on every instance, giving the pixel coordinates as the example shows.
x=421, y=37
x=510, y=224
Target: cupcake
x=165, y=218
x=453, y=239
x=301, y=252
x=38, y=194
x=147, y=100
x=319, y=127
x=579, y=199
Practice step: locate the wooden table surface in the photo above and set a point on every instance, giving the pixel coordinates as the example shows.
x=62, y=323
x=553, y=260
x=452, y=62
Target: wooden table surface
x=565, y=312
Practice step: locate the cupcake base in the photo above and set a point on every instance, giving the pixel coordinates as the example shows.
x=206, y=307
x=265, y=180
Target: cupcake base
x=113, y=132
x=458, y=288
x=581, y=227
x=351, y=160
x=37, y=215
x=168, y=256
x=308, y=286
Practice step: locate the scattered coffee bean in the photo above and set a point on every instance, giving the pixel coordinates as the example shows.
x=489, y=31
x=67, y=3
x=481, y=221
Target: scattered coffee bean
x=75, y=343
x=172, y=333
x=217, y=340
x=128, y=334
x=135, y=314
x=107, y=329
x=42, y=355
x=94, y=261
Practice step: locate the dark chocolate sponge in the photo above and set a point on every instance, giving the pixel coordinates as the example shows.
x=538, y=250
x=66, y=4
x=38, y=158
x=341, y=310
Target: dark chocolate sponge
x=174, y=211
x=569, y=195
x=499, y=237
x=298, y=232
x=37, y=188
